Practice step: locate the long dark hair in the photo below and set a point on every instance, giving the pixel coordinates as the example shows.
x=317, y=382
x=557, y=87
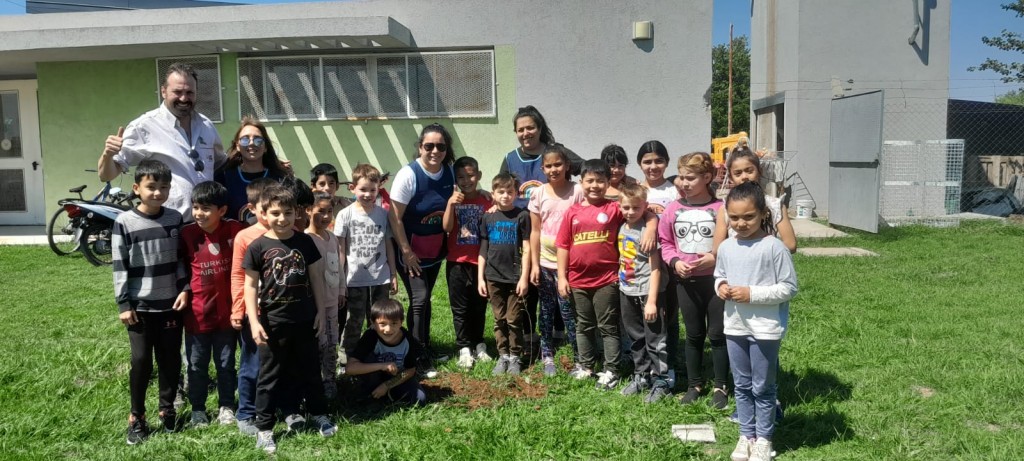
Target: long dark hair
x=752, y=191
x=449, y=155
x=546, y=135
x=652, y=147
x=270, y=160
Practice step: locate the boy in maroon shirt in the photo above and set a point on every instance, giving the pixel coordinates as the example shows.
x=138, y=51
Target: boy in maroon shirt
x=588, y=263
x=205, y=250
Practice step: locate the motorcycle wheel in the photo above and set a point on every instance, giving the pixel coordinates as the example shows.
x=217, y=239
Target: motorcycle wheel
x=95, y=244
x=60, y=233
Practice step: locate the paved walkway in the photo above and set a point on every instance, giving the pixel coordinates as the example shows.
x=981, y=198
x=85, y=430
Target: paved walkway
x=23, y=235
x=805, y=228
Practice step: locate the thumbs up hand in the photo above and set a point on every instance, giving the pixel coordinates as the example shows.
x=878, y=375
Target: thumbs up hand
x=457, y=196
x=113, y=144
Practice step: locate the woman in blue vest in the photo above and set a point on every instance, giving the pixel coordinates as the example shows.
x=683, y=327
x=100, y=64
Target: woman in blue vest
x=250, y=157
x=419, y=195
x=523, y=162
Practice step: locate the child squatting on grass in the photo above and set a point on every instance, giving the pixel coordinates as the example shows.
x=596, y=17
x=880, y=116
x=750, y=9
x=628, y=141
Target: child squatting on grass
x=148, y=288
x=386, y=357
x=285, y=318
x=754, y=275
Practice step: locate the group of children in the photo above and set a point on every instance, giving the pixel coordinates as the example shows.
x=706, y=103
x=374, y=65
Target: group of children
x=274, y=286
x=601, y=263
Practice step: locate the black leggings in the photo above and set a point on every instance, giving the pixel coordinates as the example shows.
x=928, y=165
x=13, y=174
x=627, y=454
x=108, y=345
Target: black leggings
x=704, y=317
x=419, y=290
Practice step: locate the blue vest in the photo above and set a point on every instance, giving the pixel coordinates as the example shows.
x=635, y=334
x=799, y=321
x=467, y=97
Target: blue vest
x=529, y=173
x=424, y=213
x=233, y=180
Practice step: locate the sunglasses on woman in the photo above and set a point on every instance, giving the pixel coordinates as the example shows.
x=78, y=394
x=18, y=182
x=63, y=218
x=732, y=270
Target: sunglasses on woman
x=246, y=141
x=429, y=147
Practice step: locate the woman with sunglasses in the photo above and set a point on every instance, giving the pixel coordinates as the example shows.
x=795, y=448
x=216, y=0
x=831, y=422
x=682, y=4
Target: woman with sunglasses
x=419, y=195
x=250, y=157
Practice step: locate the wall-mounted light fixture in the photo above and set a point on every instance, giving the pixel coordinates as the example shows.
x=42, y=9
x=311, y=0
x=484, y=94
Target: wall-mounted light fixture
x=642, y=30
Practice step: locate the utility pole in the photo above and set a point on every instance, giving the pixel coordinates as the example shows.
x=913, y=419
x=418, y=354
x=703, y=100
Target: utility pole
x=729, y=109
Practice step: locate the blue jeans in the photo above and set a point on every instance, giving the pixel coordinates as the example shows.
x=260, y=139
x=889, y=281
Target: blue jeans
x=755, y=364
x=248, y=370
x=199, y=348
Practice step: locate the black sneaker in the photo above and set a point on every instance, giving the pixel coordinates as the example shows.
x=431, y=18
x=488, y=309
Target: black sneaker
x=138, y=431
x=639, y=384
x=659, y=391
x=168, y=420
x=719, y=398
x=691, y=396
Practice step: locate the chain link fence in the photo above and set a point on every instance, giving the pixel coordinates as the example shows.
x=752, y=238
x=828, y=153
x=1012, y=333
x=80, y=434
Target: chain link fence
x=943, y=158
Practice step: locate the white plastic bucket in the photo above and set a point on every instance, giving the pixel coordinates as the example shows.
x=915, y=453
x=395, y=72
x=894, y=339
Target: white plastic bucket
x=804, y=209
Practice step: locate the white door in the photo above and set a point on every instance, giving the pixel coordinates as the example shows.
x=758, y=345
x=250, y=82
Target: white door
x=21, y=169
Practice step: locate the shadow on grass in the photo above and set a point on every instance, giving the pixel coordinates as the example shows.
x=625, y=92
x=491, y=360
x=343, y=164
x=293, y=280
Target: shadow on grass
x=356, y=406
x=811, y=417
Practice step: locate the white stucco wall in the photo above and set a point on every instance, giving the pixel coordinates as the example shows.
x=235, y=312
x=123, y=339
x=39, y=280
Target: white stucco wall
x=862, y=40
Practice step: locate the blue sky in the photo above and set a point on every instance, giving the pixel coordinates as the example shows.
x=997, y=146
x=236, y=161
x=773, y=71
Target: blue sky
x=971, y=19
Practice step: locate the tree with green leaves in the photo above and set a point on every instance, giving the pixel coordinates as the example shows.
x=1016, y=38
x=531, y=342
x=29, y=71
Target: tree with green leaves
x=740, y=87
x=1012, y=72
x=1015, y=97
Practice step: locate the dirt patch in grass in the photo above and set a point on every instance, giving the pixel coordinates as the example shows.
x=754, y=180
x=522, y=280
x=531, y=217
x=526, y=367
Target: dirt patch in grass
x=925, y=392
x=464, y=391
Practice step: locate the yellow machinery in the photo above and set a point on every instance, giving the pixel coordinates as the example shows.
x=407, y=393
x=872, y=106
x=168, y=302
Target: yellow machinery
x=719, y=145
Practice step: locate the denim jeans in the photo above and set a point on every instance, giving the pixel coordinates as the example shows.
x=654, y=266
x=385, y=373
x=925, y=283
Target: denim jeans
x=199, y=348
x=755, y=364
x=248, y=371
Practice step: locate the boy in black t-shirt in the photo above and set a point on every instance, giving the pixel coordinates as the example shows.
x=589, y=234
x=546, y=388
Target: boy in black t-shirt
x=502, y=271
x=283, y=315
x=387, y=356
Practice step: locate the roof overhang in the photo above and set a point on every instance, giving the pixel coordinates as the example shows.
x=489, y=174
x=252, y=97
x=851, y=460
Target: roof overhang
x=100, y=36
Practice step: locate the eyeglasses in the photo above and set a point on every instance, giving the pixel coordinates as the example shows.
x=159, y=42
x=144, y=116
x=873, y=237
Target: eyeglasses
x=255, y=140
x=200, y=166
x=429, y=146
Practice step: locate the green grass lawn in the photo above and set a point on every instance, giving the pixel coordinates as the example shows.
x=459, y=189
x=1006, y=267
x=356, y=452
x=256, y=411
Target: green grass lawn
x=915, y=354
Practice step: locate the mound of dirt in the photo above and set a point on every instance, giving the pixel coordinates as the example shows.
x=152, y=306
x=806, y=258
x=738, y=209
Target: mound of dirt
x=457, y=389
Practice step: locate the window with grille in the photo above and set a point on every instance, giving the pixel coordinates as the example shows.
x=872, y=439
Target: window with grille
x=406, y=85
x=208, y=101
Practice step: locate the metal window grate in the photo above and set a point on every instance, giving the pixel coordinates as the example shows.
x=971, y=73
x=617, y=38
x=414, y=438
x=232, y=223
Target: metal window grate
x=396, y=85
x=921, y=182
x=208, y=96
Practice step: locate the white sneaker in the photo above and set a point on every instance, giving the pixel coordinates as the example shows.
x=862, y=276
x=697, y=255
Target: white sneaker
x=607, y=380
x=481, y=353
x=265, y=441
x=762, y=450
x=578, y=372
x=742, y=450
x=465, y=358
x=226, y=416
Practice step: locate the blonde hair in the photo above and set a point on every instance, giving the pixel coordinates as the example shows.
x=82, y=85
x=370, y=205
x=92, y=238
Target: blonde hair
x=367, y=172
x=701, y=164
x=630, y=191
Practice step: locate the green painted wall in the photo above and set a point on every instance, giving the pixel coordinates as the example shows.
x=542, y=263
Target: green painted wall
x=80, y=103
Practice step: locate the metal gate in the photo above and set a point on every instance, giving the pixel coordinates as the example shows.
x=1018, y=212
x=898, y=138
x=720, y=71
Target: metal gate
x=855, y=145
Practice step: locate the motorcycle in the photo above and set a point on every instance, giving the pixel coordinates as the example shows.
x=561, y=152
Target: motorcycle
x=88, y=224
